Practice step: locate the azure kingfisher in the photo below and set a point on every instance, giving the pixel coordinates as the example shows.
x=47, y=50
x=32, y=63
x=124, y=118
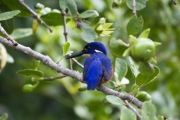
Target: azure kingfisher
x=97, y=67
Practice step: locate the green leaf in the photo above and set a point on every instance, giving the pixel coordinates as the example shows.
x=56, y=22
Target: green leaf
x=4, y=116
x=148, y=111
x=120, y=69
x=8, y=15
x=8, y=25
x=127, y=114
x=132, y=66
x=132, y=39
x=145, y=78
x=135, y=25
x=88, y=34
x=89, y=14
x=114, y=100
x=14, y=5
x=30, y=73
x=104, y=26
x=53, y=18
x=145, y=33
x=21, y=33
x=140, y=4
x=145, y=68
x=134, y=89
x=106, y=33
x=126, y=52
x=70, y=5
x=66, y=47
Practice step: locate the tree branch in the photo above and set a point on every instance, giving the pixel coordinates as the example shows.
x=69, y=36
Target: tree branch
x=64, y=24
x=134, y=7
x=63, y=12
x=133, y=109
x=123, y=96
x=71, y=73
x=7, y=35
x=77, y=63
x=35, y=15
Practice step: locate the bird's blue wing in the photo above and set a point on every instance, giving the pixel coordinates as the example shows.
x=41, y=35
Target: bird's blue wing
x=86, y=66
x=93, y=74
x=107, y=69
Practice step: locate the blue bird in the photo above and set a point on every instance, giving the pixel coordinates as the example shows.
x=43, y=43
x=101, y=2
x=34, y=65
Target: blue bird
x=97, y=67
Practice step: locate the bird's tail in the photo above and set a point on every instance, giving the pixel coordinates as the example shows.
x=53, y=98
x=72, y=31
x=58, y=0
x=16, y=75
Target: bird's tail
x=94, y=74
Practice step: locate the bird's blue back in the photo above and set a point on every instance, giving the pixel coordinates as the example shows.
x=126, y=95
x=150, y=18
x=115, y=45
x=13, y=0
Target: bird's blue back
x=97, y=70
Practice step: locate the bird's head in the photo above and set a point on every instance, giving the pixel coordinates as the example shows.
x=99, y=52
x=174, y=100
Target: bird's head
x=91, y=48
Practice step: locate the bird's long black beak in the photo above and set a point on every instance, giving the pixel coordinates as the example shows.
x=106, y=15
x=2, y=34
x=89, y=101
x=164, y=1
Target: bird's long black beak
x=75, y=55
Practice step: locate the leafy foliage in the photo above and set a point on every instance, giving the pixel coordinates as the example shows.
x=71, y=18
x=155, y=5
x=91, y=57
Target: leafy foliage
x=8, y=15
x=120, y=69
x=89, y=14
x=148, y=111
x=140, y=4
x=70, y=5
x=145, y=78
x=114, y=100
x=127, y=114
x=52, y=18
x=88, y=34
x=30, y=73
x=135, y=25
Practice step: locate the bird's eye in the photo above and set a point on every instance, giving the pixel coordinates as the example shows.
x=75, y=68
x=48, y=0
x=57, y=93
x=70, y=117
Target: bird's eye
x=85, y=49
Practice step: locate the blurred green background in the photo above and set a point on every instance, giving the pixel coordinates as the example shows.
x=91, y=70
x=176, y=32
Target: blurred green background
x=61, y=99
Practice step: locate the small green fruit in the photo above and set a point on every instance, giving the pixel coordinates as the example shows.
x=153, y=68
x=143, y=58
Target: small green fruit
x=143, y=49
x=28, y=88
x=143, y=96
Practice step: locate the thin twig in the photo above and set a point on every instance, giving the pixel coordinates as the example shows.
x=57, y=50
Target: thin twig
x=134, y=7
x=53, y=78
x=70, y=64
x=8, y=36
x=71, y=73
x=64, y=24
x=35, y=15
x=174, y=2
x=78, y=63
x=133, y=109
x=63, y=13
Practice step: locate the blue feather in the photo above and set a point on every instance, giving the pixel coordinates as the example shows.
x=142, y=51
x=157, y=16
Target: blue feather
x=94, y=74
x=97, y=69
